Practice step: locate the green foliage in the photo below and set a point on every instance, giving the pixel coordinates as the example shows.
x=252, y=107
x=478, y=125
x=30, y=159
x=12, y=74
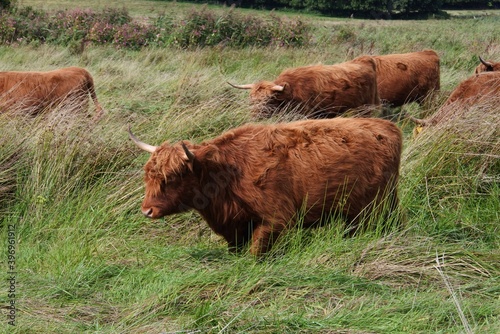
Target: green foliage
x=371, y=7
x=201, y=28
x=470, y=4
x=205, y=28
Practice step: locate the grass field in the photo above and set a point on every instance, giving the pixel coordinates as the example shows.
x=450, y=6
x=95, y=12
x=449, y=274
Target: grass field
x=87, y=261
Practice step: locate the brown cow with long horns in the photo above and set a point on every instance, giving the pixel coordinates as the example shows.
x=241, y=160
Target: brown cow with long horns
x=318, y=91
x=255, y=181
x=487, y=66
x=37, y=91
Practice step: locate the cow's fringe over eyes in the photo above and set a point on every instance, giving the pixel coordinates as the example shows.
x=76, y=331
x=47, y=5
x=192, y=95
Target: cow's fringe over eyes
x=167, y=160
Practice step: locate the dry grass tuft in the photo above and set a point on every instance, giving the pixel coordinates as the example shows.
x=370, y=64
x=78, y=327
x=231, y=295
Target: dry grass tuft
x=463, y=146
x=391, y=261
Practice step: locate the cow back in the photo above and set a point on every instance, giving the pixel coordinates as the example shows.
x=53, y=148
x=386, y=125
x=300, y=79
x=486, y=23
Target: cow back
x=38, y=90
x=477, y=89
x=322, y=90
x=403, y=78
x=341, y=164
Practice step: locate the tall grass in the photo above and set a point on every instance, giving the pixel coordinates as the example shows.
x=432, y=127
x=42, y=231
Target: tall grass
x=87, y=261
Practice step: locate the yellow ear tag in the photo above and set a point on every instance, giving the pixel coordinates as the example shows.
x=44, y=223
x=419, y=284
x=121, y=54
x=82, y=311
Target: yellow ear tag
x=416, y=130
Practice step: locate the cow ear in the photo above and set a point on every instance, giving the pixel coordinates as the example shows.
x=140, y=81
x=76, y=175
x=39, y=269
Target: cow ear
x=209, y=153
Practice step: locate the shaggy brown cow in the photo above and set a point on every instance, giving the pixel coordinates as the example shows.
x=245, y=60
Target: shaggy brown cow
x=37, y=91
x=487, y=66
x=407, y=77
x=480, y=88
x=254, y=181
x=319, y=90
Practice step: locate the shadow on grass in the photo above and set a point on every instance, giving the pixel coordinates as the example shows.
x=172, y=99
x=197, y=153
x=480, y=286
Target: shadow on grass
x=210, y=254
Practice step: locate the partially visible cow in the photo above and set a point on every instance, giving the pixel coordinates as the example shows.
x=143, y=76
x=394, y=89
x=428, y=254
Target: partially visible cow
x=318, y=91
x=257, y=180
x=38, y=91
x=479, y=88
x=407, y=77
x=487, y=66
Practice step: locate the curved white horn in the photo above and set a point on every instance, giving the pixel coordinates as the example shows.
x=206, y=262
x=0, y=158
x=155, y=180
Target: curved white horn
x=247, y=86
x=277, y=88
x=143, y=146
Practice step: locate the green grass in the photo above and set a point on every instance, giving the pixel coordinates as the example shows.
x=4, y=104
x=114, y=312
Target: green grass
x=87, y=261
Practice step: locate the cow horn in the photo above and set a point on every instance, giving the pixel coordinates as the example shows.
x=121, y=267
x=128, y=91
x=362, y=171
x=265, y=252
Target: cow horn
x=189, y=154
x=277, y=88
x=143, y=146
x=485, y=63
x=247, y=86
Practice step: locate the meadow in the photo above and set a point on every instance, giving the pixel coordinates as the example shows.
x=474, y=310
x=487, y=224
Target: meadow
x=87, y=261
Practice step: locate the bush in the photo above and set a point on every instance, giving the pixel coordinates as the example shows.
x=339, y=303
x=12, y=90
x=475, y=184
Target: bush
x=134, y=35
x=24, y=25
x=204, y=28
x=115, y=27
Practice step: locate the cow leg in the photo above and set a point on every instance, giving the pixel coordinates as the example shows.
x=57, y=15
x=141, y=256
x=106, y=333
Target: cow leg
x=264, y=236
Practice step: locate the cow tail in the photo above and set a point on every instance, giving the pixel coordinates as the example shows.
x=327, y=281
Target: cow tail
x=93, y=95
x=417, y=120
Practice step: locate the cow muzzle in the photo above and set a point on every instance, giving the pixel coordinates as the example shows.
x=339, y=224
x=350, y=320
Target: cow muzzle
x=148, y=212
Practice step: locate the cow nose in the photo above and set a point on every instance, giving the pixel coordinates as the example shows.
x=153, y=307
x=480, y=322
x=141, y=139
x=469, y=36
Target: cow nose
x=148, y=212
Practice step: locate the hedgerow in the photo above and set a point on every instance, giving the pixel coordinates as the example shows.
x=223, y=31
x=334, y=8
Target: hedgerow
x=199, y=28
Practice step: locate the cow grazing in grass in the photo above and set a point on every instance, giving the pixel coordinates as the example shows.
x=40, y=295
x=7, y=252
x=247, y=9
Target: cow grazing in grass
x=487, y=66
x=38, y=91
x=318, y=91
x=255, y=181
x=407, y=77
x=481, y=88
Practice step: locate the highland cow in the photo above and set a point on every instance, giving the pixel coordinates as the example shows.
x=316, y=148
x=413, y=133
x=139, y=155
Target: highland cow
x=487, y=66
x=318, y=91
x=39, y=91
x=255, y=181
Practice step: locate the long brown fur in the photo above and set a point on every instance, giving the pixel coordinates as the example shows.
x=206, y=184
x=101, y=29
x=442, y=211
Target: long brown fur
x=252, y=182
x=475, y=89
x=319, y=91
x=37, y=91
x=407, y=77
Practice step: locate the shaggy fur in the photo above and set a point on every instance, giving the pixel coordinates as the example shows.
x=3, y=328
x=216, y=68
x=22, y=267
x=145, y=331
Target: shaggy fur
x=319, y=91
x=37, y=91
x=252, y=182
x=490, y=66
x=477, y=89
x=407, y=77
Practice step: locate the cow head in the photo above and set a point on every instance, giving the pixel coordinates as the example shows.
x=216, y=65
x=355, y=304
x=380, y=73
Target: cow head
x=169, y=178
x=266, y=95
x=486, y=66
